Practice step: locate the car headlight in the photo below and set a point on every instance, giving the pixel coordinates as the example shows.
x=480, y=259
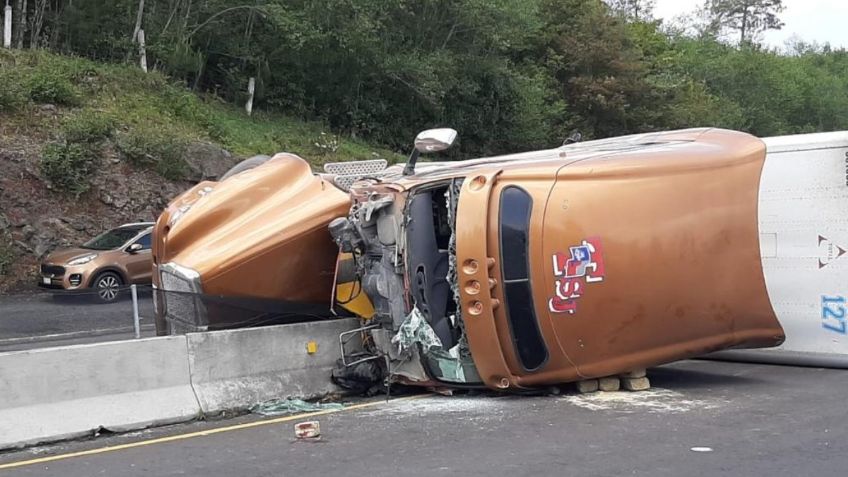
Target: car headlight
x=83, y=260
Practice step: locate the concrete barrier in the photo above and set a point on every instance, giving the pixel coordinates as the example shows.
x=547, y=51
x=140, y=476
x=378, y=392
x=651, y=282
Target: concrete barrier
x=66, y=392
x=235, y=369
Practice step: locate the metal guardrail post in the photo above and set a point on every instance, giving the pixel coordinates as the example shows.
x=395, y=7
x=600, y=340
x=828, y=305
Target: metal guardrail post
x=136, y=323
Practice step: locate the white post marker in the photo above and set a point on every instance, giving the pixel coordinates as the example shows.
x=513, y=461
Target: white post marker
x=251, y=88
x=136, y=323
x=7, y=26
x=142, y=52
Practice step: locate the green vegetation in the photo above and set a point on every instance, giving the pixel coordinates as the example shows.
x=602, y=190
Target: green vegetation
x=149, y=118
x=509, y=75
x=156, y=148
x=51, y=87
x=88, y=127
x=68, y=166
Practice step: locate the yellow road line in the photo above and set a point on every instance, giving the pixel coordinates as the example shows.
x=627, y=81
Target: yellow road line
x=190, y=435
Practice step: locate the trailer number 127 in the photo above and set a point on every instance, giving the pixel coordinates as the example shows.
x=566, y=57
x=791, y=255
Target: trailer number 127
x=833, y=313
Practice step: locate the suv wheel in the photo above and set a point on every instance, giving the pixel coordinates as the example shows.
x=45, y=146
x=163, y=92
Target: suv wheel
x=108, y=287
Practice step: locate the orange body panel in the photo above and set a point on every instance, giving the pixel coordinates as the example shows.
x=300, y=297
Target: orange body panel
x=261, y=234
x=681, y=274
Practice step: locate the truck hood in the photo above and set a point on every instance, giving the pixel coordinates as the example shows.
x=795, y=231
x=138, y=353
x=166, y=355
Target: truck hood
x=260, y=233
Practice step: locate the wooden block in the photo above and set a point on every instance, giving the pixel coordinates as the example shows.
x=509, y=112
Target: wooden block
x=636, y=384
x=587, y=386
x=609, y=384
x=636, y=373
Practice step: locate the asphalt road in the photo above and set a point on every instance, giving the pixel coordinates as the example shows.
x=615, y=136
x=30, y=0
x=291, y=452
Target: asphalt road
x=701, y=419
x=41, y=319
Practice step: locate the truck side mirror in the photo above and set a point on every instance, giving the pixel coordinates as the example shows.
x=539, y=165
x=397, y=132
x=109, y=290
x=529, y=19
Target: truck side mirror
x=431, y=140
x=434, y=140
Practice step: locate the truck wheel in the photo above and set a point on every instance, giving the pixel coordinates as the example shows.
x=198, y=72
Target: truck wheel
x=245, y=165
x=108, y=287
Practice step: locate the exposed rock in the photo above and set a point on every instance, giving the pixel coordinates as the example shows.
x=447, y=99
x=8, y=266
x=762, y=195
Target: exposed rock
x=636, y=384
x=28, y=231
x=24, y=246
x=106, y=198
x=48, y=109
x=75, y=223
x=207, y=161
x=37, y=220
x=636, y=373
x=121, y=201
x=587, y=386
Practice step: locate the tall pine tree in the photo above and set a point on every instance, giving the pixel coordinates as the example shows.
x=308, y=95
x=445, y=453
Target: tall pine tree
x=747, y=17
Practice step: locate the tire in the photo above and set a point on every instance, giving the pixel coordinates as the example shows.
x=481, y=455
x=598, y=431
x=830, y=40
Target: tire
x=245, y=165
x=107, y=286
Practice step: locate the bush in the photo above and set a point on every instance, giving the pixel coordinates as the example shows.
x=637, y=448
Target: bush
x=12, y=97
x=69, y=166
x=49, y=87
x=88, y=127
x=157, y=148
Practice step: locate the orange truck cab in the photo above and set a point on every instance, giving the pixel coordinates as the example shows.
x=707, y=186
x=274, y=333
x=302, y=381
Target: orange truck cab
x=580, y=262
x=512, y=272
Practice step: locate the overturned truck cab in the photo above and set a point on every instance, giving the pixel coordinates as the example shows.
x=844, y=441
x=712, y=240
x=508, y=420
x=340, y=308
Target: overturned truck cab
x=588, y=260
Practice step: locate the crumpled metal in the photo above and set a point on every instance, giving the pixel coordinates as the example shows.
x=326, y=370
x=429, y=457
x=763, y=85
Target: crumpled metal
x=276, y=407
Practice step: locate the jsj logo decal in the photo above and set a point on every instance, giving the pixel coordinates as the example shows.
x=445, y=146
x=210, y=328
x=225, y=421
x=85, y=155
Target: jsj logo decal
x=574, y=273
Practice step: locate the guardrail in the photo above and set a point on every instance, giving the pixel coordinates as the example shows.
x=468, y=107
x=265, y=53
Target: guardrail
x=52, y=318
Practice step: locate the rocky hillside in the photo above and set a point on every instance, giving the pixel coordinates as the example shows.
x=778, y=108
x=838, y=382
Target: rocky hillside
x=87, y=146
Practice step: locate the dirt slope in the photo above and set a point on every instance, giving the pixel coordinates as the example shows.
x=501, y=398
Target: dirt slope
x=35, y=218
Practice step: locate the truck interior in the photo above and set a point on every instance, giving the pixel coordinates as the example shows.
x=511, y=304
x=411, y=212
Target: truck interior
x=428, y=233
x=406, y=264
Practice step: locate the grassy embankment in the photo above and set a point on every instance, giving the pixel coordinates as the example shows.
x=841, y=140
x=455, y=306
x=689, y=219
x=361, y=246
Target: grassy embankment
x=66, y=116
x=148, y=117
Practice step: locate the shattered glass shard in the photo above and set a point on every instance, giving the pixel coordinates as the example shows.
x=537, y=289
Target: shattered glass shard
x=276, y=407
x=414, y=330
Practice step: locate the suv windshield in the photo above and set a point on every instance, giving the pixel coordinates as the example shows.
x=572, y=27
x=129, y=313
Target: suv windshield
x=113, y=238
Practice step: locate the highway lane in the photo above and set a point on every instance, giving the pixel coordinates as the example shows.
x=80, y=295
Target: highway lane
x=701, y=419
x=40, y=319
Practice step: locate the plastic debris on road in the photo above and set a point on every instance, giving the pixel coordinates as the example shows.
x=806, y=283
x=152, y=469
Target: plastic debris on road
x=276, y=407
x=307, y=430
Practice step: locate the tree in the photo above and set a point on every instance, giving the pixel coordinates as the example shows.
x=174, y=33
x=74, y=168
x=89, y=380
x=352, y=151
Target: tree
x=22, y=24
x=638, y=10
x=748, y=17
x=599, y=69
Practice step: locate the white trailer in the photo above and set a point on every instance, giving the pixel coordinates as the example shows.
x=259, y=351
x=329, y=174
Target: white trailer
x=803, y=222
